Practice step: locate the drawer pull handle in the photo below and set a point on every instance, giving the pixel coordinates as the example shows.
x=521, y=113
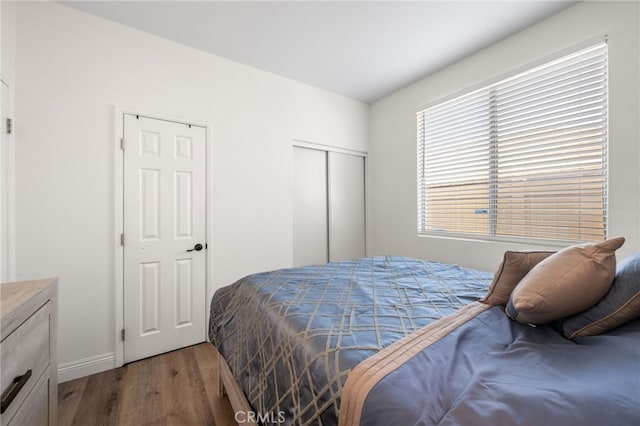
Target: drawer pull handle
x=12, y=391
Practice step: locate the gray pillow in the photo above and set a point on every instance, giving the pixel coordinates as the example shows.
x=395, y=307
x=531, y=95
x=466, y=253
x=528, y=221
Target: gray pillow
x=619, y=306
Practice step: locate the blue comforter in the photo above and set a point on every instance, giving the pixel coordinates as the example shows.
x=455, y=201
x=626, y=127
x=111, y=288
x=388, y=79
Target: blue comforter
x=291, y=337
x=494, y=371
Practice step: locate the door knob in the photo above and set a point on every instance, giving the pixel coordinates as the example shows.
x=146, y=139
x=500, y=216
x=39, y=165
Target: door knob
x=197, y=247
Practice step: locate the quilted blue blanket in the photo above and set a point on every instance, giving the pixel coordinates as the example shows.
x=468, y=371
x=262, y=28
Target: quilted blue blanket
x=291, y=337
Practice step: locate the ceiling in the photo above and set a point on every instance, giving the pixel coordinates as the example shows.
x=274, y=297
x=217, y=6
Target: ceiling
x=360, y=49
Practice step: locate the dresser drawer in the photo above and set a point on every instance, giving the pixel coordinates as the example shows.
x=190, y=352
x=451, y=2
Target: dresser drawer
x=25, y=349
x=35, y=410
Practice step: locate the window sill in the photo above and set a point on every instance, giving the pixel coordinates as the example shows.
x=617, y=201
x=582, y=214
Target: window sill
x=535, y=242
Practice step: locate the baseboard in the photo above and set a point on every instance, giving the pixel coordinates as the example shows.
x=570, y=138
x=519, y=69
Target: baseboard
x=86, y=367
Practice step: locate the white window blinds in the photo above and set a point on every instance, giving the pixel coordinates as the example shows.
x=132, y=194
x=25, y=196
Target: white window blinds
x=524, y=157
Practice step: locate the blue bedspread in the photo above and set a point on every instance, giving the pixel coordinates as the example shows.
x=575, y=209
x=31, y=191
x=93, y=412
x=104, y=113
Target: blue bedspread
x=291, y=337
x=494, y=371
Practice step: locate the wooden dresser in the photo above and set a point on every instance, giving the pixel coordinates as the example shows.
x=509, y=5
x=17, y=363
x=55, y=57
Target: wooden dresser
x=28, y=366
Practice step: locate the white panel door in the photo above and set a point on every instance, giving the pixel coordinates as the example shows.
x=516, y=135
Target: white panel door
x=164, y=236
x=346, y=207
x=310, y=238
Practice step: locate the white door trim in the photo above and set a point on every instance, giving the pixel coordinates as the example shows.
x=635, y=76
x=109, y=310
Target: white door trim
x=7, y=214
x=118, y=117
x=328, y=148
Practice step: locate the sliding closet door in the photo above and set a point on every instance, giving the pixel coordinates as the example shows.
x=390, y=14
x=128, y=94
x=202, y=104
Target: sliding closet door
x=310, y=239
x=346, y=207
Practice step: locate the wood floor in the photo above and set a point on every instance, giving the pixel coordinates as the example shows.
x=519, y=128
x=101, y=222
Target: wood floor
x=177, y=388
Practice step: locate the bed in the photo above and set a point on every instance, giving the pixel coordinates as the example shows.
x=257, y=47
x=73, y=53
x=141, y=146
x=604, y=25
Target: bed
x=394, y=340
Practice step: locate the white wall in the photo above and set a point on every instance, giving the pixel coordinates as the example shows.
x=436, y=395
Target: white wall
x=72, y=69
x=392, y=159
x=8, y=41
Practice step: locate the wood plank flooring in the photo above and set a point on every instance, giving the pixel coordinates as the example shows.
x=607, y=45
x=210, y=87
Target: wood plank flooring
x=177, y=388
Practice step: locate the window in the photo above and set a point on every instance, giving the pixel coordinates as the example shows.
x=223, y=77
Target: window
x=524, y=157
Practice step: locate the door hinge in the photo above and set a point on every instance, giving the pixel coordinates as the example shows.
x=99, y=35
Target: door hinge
x=122, y=239
x=9, y=126
x=122, y=334
x=122, y=144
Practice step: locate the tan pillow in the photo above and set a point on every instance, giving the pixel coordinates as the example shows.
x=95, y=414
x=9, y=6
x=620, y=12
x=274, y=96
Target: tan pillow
x=513, y=268
x=565, y=283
